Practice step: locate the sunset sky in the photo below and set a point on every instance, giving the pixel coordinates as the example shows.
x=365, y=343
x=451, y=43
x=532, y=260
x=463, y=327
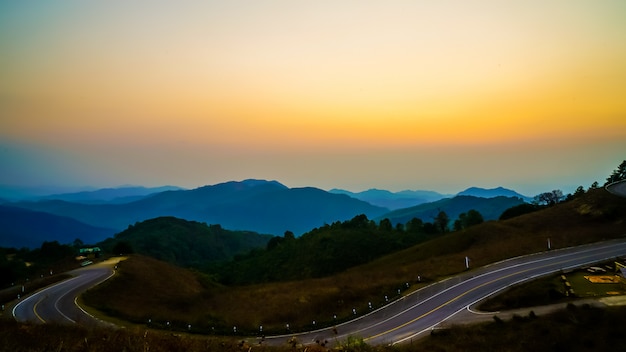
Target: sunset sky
x=438, y=95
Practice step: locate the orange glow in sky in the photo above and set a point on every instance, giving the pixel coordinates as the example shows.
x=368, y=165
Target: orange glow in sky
x=330, y=88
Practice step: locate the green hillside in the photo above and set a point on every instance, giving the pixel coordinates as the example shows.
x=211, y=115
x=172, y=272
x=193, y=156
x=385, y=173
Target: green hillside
x=321, y=252
x=184, y=243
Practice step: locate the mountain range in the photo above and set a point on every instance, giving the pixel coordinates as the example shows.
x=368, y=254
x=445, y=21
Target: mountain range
x=26, y=228
x=489, y=208
x=406, y=199
x=110, y=195
x=266, y=207
x=393, y=200
x=262, y=206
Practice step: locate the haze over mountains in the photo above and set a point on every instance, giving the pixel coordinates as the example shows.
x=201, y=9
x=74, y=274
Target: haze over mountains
x=111, y=195
x=266, y=207
x=26, y=228
x=393, y=200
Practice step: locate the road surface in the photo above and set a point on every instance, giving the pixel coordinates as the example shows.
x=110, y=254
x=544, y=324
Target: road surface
x=416, y=314
x=57, y=303
x=617, y=188
x=407, y=318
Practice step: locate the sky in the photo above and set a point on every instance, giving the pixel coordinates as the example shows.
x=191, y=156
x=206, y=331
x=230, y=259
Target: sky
x=437, y=95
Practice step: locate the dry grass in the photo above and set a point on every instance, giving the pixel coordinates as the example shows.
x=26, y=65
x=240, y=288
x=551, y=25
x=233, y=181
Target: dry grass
x=572, y=329
x=146, y=288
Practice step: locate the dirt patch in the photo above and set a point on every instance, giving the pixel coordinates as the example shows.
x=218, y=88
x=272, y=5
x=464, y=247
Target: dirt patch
x=603, y=279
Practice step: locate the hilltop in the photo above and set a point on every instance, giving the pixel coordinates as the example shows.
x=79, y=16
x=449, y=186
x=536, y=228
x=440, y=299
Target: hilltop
x=185, y=243
x=493, y=192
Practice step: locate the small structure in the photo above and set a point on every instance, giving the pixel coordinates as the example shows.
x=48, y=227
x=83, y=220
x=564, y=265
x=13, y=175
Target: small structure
x=89, y=252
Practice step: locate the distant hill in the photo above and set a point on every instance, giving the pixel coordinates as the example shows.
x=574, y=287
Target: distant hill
x=489, y=208
x=110, y=195
x=492, y=192
x=255, y=205
x=186, y=243
x=393, y=200
x=25, y=228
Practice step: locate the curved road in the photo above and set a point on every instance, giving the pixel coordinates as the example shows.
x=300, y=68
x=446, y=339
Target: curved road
x=57, y=303
x=424, y=309
x=618, y=188
x=399, y=321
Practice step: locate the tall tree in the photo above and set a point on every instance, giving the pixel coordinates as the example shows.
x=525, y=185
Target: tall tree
x=618, y=174
x=441, y=222
x=465, y=220
x=385, y=225
x=415, y=225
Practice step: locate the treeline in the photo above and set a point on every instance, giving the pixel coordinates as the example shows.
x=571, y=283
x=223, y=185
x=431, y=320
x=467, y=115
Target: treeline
x=545, y=200
x=332, y=248
x=184, y=243
x=17, y=265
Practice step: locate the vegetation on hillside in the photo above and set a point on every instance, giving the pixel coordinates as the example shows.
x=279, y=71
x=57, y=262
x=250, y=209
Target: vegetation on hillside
x=184, y=243
x=18, y=265
x=618, y=174
x=595, y=215
x=323, y=251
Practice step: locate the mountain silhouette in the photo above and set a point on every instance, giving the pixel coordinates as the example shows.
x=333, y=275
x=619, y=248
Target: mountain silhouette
x=492, y=192
x=393, y=200
x=256, y=205
x=489, y=208
x=110, y=195
x=26, y=228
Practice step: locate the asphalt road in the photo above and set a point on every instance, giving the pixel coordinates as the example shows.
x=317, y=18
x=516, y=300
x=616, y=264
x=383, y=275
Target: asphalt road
x=418, y=313
x=57, y=303
x=400, y=321
x=617, y=188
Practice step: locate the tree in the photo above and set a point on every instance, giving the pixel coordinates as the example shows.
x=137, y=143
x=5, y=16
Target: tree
x=289, y=236
x=274, y=242
x=579, y=191
x=549, y=198
x=618, y=174
x=441, y=222
x=385, y=225
x=415, y=225
x=465, y=220
x=359, y=221
x=458, y=223
x=78, y=243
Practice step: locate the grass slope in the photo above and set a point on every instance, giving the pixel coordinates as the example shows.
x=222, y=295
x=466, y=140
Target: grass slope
x=595, y=216
x=572, y=329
